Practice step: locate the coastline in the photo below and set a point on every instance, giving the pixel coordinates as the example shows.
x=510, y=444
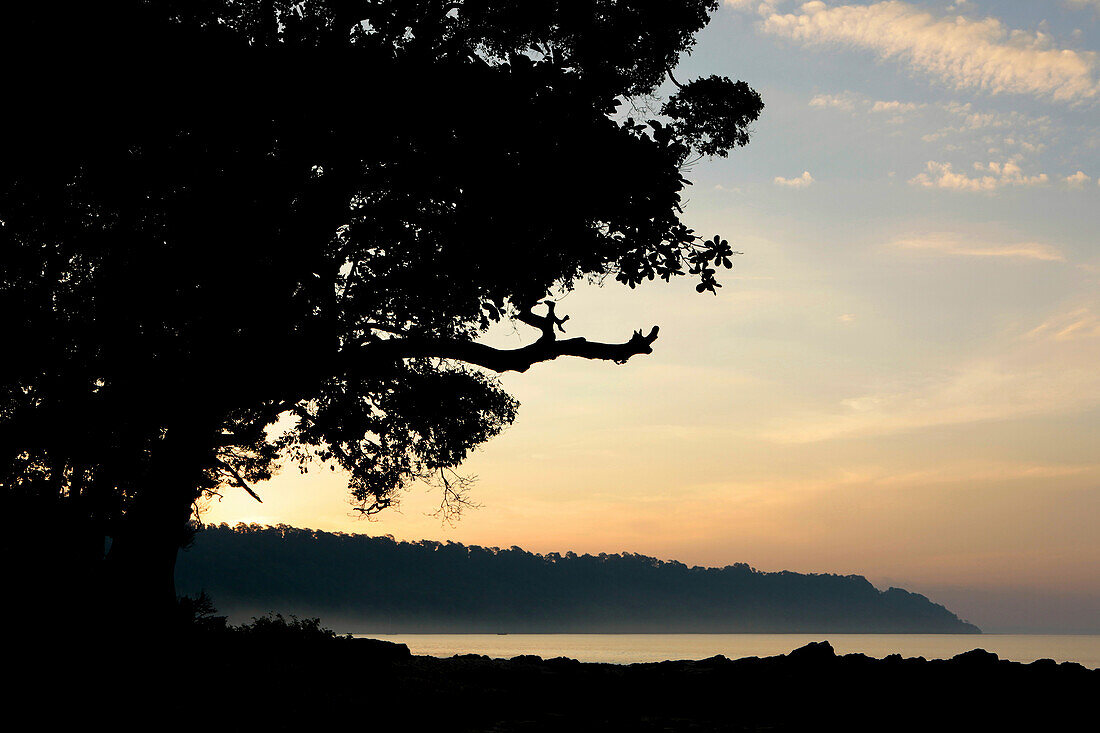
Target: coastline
x=641, y=648
x=294, y=683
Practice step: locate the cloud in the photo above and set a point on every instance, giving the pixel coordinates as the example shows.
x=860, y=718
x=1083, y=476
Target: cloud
x=1046, y=367
x=801, y=182
x=1081, y=323
x=1082, y=4
x=948, y=244
x=1078, y=180
x=992, y=133
x=957, y=125
x=1035, y=376
x=762, y=7
x=978, y=392
x=895, y=107
x=996, y=175
x=851, y=101
x=971, y=119
x=846, y=101
x=959, y=51
x=985, y=470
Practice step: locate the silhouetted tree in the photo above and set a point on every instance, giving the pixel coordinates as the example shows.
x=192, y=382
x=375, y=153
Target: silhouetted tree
x=217, y=213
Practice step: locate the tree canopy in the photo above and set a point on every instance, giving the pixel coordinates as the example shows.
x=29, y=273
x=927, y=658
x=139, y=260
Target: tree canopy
x=217, y=213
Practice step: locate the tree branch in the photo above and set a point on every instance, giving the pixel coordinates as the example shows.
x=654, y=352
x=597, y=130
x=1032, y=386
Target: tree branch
x=228, y=468
x=546, y=348
x=545, y=323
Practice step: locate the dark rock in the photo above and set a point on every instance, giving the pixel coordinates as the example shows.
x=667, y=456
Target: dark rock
x=381, y=651
x=976, y=656
x=563, y=662
x=858, y=658
x=715, y=660
x=815, y=651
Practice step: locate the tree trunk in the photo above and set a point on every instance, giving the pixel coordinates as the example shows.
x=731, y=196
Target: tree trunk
x=142, y=560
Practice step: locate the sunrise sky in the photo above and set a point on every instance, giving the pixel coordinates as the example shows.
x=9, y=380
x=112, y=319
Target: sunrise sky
x=898, y=379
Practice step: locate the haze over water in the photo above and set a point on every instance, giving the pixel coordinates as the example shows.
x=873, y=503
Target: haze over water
x=638, y=648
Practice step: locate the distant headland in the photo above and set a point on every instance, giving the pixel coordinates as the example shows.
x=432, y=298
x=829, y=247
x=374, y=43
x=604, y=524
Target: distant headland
x=371, y=584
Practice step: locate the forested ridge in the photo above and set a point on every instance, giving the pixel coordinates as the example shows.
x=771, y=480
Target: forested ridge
x=374, y=584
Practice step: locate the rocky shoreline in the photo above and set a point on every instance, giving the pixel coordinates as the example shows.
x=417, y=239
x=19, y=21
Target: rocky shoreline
x=310, y=684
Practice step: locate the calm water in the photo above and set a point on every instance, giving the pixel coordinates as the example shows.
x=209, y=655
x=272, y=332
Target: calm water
x=630, y=648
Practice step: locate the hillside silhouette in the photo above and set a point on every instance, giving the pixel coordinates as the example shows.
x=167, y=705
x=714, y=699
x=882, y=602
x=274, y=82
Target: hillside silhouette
x=368, y=584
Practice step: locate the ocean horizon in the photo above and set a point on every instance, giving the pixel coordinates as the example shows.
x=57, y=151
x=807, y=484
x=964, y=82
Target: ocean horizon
x=1083, y=649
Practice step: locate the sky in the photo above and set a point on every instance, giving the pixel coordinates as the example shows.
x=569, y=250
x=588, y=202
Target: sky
x=899, y=377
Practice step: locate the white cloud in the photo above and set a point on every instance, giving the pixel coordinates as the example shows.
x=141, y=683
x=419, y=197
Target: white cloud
x=851, y=101
x=960, y=51
x=957, y=126
x=996, y=175
x=1078, y=180
x=801, y=182
x=895, y=107
x=991, y=133
x=762, y=7
x=846, y=101
x=949, y=244
x=971, y=119
x=1073, y=4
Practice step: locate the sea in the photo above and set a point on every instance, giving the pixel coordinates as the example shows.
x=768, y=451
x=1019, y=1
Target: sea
x=635, y=648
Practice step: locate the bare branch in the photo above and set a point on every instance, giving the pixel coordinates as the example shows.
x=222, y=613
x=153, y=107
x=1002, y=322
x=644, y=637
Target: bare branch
x=546, y=348
x=228, y=468
x=374, y=507
x=455, y=498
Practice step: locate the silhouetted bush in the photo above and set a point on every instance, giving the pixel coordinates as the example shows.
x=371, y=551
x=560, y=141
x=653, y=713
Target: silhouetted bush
x=276, y=623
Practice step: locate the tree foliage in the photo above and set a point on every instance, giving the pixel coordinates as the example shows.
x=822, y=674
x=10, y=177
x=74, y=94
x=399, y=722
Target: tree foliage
x=215, y=214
